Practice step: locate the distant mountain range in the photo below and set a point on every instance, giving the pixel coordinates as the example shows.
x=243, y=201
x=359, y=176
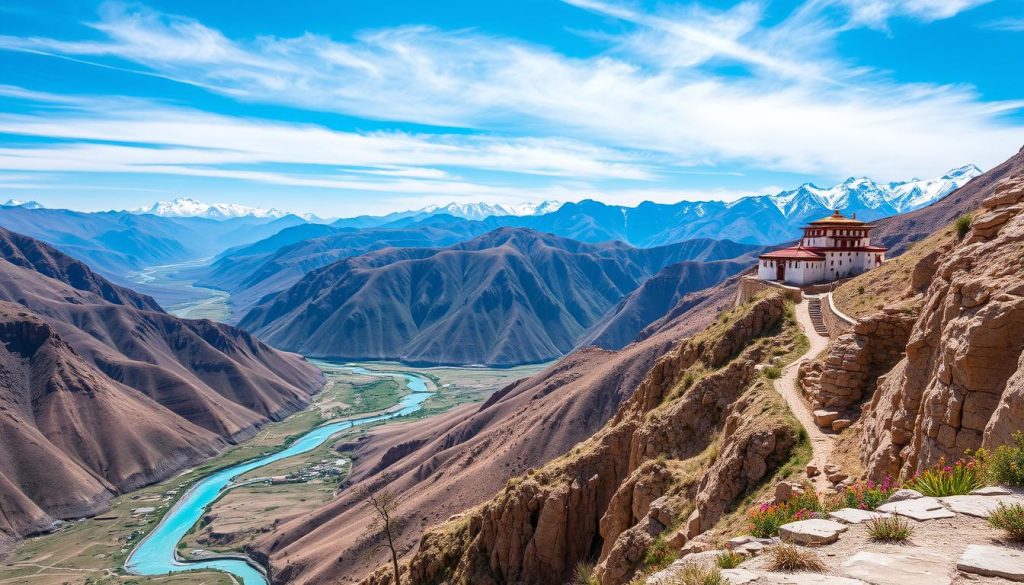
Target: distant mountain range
x=508, y=297
x=117, y=243
x=285, y=246
x=485, y=210
x=864, y=196
x=187, y=207
x=22, y=204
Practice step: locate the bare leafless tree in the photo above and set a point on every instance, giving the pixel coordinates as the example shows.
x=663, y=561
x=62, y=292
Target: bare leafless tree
x=385, y=504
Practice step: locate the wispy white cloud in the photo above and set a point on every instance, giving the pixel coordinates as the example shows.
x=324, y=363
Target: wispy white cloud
x=877, y=13
x=1007, y=24
x=138, y=132
x=653, y=100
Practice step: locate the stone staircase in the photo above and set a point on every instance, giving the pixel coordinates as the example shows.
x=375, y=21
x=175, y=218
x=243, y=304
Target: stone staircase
x=814, y=310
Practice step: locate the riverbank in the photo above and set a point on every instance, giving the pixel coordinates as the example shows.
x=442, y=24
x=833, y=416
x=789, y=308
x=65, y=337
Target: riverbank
x=178, y=293
x=94, y=550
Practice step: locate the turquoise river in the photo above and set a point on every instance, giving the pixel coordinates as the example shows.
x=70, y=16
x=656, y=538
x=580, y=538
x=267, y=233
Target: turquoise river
x=155, y=555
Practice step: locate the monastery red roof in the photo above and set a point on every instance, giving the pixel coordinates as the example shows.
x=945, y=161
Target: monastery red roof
x=812, y=254
x=794, y=253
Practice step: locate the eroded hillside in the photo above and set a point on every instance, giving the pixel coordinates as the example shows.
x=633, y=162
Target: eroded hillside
x=934, y=367
x=703, y=430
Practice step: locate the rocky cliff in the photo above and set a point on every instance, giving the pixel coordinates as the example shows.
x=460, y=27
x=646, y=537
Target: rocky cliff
x=702, y=430
x=961, y=384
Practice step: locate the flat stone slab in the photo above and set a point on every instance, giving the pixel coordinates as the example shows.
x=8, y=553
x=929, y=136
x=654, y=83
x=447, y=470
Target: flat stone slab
x=979, y=506
x=814, y=531
x=761, y=578
x=856, y=515
x=751, y=549
x=993, y=561
x=992, y=490
x=738, y=576
x=920, y=509
x=916, y=568
x=903, y=495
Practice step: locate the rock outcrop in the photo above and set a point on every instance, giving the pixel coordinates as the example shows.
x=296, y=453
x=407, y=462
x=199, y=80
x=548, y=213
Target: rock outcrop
x=855, y=360
x=702, y=430
x=961, y=384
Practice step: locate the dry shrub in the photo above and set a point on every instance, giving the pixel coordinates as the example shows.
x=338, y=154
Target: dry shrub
x=893, y=529
x=790, y=558
x=695, y=574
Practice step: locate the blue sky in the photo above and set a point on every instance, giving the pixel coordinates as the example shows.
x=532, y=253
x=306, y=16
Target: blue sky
x=347, y=107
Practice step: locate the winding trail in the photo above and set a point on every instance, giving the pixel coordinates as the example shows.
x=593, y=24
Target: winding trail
x=822, y=444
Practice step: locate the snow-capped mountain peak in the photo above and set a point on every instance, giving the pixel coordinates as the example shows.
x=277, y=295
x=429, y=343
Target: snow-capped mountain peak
x=479, y=211
x=865, y=195
x=188, y=207
x=22, y=204
x=968, y=171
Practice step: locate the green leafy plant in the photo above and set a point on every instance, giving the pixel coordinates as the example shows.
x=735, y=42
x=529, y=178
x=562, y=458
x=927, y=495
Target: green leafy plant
x=790, y=558
x=772, y=372
x=963, y=225
x=1010, y=519
x=962, y=477
x=865, y=496
x=694, y=574
x=728, y=560
x=766, y=519
x=659, y=554
x=1006, y=464
x=893, y=529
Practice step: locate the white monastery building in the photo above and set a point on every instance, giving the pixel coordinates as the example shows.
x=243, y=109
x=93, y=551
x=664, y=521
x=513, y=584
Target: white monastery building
x=832, y=248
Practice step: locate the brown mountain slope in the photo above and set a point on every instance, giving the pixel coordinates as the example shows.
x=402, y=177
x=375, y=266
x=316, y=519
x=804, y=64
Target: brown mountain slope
x=657, y=296
x=899, y=231
x=447, y=464
x=702, y=431
x=99, y=394
x=508, y=297
x=29, y=253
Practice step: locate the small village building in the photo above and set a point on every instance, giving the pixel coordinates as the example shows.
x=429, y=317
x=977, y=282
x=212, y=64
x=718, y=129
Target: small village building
x=832, y=248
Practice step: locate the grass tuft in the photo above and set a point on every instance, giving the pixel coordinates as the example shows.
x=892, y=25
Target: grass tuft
x=963, y=225
x=772, y=372
x=1010, y=519
x=694, y=574
x=728, y=560
x=894, y=529
x=584, y=575
x=659, y=555
x=789, y=558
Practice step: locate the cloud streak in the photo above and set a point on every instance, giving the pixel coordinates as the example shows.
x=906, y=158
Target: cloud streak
x=654, y=102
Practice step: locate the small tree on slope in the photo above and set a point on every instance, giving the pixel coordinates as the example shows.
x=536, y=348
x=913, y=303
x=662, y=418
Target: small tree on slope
x=384, y=523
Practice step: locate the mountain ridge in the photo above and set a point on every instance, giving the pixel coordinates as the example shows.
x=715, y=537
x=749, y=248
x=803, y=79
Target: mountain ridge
x=507, y=297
